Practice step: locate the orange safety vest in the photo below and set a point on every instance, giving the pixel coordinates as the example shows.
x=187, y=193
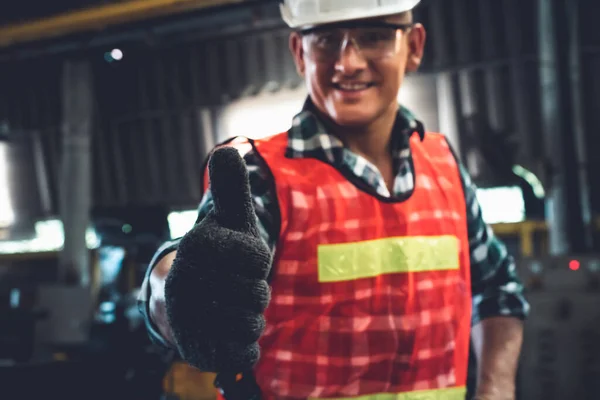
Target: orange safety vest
x=371, y=299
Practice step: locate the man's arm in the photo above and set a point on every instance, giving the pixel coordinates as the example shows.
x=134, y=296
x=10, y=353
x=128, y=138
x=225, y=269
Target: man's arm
x=151, y=297
x=156, y=302
x=151, y=301
x=499, y=306
x=497, y=344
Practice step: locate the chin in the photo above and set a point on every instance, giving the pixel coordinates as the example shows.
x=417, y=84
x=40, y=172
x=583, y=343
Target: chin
x=353, y=116
x=352, y=121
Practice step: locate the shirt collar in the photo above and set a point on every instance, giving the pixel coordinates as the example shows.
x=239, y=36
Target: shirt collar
x=308, y=136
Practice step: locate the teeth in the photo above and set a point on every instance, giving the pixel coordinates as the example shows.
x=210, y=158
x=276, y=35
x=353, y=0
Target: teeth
x=353, y=86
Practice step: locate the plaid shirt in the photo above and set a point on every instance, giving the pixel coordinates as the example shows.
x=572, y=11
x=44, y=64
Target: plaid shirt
x=496, y=289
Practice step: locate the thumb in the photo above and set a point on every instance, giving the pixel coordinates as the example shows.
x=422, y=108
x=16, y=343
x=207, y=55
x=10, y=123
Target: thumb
x=230, y=189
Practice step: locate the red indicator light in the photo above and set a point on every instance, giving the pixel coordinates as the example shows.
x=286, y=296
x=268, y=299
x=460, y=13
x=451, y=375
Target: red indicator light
x=574, y=265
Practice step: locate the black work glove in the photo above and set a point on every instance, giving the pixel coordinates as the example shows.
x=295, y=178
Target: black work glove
x=216, y=291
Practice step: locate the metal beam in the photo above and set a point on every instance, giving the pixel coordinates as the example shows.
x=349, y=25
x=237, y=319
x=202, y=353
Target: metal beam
x=519, y=96
x=568, y=205
x=551, y=127
x=98, y=18
x=493, y=92
x=75, y=182
x=575, y=85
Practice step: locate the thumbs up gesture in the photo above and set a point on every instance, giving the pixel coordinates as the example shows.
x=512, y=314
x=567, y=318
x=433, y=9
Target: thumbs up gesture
x=216, y=291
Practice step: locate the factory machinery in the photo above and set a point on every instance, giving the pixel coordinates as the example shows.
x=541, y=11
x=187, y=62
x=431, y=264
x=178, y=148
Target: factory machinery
x=561, y=350
x=72, y=341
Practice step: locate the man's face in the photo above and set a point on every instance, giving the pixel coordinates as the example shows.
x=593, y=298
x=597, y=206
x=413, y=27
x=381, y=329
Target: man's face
x=356, y=86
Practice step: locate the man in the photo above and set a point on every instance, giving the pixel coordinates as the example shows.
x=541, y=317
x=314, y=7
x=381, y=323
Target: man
x=379, y=266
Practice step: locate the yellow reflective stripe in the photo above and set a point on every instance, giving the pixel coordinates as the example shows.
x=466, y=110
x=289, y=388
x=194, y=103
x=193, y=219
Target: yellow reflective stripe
x=456, y=393
x=348, y=261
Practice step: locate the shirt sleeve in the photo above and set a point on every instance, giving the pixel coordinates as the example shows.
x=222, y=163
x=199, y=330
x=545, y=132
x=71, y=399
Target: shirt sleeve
x=267, y=214
x=496, y=288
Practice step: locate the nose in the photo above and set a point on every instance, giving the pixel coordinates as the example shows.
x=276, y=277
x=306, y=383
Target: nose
x=350, y=60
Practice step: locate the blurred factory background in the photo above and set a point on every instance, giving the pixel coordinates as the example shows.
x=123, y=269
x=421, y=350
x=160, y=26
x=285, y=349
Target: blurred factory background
x=108, y=108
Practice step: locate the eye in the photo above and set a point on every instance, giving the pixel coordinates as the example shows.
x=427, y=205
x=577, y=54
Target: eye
x=375, y=36
x=326, y=39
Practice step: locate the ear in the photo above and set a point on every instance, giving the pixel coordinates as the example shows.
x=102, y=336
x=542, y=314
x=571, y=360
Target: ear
x=416, y=44
x=297, y=52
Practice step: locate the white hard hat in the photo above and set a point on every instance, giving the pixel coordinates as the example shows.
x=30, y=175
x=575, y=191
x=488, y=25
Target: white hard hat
x=299, y=13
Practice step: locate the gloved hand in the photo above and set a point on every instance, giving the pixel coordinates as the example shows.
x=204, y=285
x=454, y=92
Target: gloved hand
x=216, y=291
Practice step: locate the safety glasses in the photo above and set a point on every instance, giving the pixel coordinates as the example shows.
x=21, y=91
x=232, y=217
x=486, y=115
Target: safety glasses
x=373, y=40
